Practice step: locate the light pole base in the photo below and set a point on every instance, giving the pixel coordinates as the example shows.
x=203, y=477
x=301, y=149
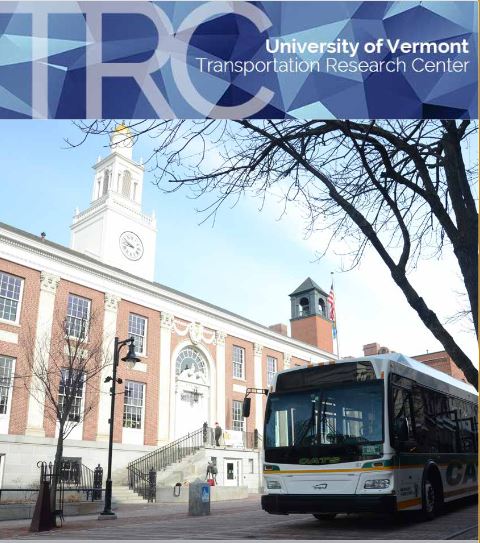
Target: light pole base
x=107, y=516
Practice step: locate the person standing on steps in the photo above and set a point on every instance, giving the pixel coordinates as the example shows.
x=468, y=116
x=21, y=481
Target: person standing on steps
x=218, y=434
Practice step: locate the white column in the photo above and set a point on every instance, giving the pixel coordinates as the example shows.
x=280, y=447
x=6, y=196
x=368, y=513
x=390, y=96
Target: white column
x=164, y=423
x=109, y=333
x=257, y=378
x=43, y=336
x=287, y=360
x=220, y=362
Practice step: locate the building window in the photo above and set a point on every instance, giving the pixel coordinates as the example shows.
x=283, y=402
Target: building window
x=127, y=182
x=271, y=369
x=10, y=290
x=238, y=362
x=133, y=405
x=78, y=313
x=70, y=470
x=304, y=307
x=70, y=389
x=137, y=328
x=191, y=362
x=237, y=418
x=106, y=177
x=6, y=370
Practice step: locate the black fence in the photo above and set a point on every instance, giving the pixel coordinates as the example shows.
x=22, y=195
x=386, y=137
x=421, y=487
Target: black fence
x=73, y=477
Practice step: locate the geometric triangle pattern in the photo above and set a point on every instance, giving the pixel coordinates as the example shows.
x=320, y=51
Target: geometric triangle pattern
x=279, y=59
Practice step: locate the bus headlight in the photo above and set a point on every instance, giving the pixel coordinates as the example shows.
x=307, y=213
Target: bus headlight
x=272, y=484
x=377, y=483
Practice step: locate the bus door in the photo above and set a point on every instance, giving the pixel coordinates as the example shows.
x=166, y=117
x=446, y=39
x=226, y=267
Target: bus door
x=408, y=468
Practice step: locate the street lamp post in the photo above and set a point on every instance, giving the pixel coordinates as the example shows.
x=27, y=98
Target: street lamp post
x=107, y=512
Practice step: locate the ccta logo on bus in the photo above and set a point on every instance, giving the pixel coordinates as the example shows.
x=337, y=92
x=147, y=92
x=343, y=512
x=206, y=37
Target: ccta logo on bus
x=460, y=473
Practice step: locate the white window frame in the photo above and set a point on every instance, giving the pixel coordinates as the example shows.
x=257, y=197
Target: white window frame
x=19, y=301
x=236, y=363
x=82, y=398
x=143, y=352
x=237, y=422
x=142, y=408
x=73, y=317
x=270, y=372
x=5, y=417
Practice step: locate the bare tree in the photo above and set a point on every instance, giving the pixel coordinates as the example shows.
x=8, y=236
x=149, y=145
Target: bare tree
x=63, y=372
x=401, y=187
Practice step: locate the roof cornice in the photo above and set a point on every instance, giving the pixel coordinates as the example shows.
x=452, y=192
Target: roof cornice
x=60, y=254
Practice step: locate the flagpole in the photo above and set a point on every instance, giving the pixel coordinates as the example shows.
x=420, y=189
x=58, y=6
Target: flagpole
x=335, y=319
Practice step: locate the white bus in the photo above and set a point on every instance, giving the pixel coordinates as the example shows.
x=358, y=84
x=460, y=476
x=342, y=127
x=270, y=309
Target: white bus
x=382, y=433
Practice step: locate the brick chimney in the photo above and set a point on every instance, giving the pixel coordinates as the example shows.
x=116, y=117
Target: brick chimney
x=371, y=349
x=279, y=328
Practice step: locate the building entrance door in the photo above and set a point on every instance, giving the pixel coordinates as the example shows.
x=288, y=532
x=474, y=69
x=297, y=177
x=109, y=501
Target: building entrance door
x=232, y=472
x=192, y=392
x=191, y=408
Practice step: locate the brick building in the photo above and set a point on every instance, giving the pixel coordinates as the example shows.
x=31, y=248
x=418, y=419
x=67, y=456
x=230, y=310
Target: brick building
x=439, y=360
x=197, y=360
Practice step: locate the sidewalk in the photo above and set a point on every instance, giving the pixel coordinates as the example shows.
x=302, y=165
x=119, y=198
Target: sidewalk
x=127, y=514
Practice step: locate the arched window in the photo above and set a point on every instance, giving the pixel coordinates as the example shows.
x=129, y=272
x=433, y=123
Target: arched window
x=304, y=307
x=321, y=305
x=191, y=364
x=106, y=177
x=127, y=181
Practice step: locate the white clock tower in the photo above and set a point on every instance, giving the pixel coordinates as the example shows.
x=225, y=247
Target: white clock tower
x=114, y=229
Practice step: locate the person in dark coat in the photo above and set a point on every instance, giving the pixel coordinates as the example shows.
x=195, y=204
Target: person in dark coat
x=218, y=434
x=212, y=471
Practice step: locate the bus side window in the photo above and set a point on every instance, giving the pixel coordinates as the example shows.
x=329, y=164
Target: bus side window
x=466, y=425
x=419, y=416
x=402, y=415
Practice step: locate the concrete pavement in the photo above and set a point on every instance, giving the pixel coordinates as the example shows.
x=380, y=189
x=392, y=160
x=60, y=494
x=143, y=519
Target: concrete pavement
x=244, y=519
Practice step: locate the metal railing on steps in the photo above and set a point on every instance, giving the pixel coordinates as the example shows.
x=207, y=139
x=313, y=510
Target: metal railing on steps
x=142, y=471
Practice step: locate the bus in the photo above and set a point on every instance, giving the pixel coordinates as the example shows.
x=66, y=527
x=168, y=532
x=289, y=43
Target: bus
x=384, y=433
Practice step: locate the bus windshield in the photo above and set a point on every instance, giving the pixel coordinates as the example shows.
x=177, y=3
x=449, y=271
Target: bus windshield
x=337, y=423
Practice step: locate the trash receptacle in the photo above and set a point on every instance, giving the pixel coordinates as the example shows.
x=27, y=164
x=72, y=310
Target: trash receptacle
x=198, y=498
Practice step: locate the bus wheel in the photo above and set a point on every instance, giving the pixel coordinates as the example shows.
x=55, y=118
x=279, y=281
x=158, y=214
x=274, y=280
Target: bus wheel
x=325, y=516
x=430, y=498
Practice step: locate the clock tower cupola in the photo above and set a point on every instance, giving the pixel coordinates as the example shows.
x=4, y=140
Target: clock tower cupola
x=114, y=229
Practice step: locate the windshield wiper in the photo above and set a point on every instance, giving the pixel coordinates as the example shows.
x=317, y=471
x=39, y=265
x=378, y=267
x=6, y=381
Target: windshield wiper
x=307, y=427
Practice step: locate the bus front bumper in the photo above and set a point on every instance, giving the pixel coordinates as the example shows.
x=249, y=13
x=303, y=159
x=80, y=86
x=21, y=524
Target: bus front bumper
x=283, y=504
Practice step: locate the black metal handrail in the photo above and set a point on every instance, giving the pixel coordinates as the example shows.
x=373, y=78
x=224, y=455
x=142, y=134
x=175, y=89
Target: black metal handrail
x=140, y=470
x=158, y=460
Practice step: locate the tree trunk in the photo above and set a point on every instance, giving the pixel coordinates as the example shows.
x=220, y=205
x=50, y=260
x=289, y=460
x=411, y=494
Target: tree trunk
x=463, y=204
x=56, y=469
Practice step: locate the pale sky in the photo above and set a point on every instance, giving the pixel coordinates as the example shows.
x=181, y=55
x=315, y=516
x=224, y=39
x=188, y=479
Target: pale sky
x=247, y=263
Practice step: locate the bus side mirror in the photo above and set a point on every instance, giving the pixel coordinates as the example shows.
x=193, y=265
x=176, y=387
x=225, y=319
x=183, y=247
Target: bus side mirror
x=246, y=407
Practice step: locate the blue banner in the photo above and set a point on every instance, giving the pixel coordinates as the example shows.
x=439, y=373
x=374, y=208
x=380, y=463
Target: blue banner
x=238, y=59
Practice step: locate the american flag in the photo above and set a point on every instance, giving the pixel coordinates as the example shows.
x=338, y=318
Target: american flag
x=331, y=303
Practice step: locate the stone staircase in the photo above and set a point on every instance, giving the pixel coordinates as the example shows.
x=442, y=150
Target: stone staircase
x=167, y=458
x=122, y=494
x=188, y=469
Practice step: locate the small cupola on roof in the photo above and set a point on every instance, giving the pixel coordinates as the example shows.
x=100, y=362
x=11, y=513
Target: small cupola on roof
x=121, y=141
x=309, y=315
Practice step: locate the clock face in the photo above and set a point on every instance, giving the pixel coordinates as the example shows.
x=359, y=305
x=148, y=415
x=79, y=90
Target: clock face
x=131, y=246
